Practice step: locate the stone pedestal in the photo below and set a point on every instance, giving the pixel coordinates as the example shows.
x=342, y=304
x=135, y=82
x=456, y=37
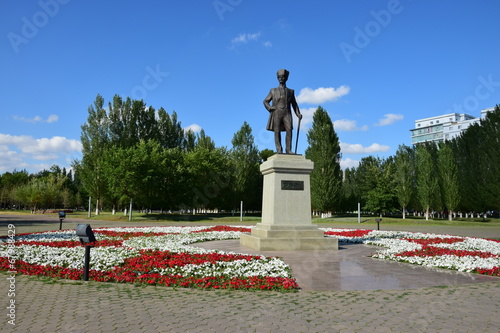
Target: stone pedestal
x=286, y=209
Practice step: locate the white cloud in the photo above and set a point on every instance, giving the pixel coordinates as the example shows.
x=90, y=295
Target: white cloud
x=307, y=116
x=30, y=145
x=268, y=44
x=17, y=150
x=348, y=163
x=349, y=148
x=37, y=119
x=10, y=160
x=346, y=125
x=389, y=118
x=321, y=95
x=52, y=118
x=245, y=38
x=195, y=128
x=342, y=125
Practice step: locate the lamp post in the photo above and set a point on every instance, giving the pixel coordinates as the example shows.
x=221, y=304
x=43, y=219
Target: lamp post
x=62, y=215
x=86, y=235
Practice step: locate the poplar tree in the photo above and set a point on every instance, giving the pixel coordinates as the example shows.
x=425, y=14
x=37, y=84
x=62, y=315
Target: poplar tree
x=427, y=178
x=170, y=133
x=95, y=142
x=245, y=158
x=448, y=172
x=324, y=151
x=404, y=176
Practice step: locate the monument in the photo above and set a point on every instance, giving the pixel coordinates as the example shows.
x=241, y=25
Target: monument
x=286, y=200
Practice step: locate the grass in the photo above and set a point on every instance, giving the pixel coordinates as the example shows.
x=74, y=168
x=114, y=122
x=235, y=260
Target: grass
x=370, y=220
x=366, y=220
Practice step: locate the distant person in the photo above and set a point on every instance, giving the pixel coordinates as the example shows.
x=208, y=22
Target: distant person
x=280, y=117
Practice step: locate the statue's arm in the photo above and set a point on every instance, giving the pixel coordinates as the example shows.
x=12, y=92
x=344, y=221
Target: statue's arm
x=296, y=106
x=267, y=100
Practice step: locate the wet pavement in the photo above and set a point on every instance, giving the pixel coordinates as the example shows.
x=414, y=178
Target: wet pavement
x=351, y=268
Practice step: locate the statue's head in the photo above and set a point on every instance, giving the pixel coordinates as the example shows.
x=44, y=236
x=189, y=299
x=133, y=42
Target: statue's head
x=283, y=73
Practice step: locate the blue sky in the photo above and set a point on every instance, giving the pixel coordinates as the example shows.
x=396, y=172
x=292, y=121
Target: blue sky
x=375, y=66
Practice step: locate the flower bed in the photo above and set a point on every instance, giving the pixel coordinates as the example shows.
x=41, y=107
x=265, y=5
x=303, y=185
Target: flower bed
x=465, y=254
x=151, y=255
x=163, y=256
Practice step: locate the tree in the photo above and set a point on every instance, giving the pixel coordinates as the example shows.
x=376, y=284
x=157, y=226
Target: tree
x=31, y=194
x=95, y=142
x=130, y=122
x=170, y=133
x=478, y=163
x=8, y=183
x=136, y=173
x=189, y=142
x=204, y=141
x=265, y=154
x=490, y=159
x=448, y=173
x=245, y=158
x=324, y=151
x=208, y=178
x=427, y=177
x=351, y=195
x=404, y=176
x=375, y=177
x=41, y=192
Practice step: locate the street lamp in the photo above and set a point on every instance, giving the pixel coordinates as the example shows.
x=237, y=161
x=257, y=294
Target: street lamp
x=86, y=235
x=62, y=215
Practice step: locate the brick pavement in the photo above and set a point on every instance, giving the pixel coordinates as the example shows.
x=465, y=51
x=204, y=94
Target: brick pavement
x=76, y=306
x=68, y=306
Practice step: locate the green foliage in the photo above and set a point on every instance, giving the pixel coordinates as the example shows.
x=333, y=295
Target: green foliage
x=375, y=177
x=247, y=177
x=324, y=151
x=351, y=193
x=478, y=161
x=209, y=178
x=41, y=192
x=448, y=172
x=204, y=141
x=404, y=176
x=265, y=154
x=427, y=177
x=95, y=142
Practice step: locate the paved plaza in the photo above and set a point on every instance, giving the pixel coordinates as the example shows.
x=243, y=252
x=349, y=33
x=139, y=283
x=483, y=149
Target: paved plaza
x=345, y=291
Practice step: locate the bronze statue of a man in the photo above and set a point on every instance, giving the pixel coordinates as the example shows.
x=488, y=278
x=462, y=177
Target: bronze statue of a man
x=280, y=117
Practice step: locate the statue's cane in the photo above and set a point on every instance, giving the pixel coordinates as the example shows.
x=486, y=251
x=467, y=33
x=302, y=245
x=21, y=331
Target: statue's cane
x=298, y=132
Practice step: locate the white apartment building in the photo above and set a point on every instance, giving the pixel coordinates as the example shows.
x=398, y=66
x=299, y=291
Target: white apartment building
x=444, y=127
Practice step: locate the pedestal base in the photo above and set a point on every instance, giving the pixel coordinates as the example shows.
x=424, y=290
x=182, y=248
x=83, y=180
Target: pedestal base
x=286, y=208
x=288, y=238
